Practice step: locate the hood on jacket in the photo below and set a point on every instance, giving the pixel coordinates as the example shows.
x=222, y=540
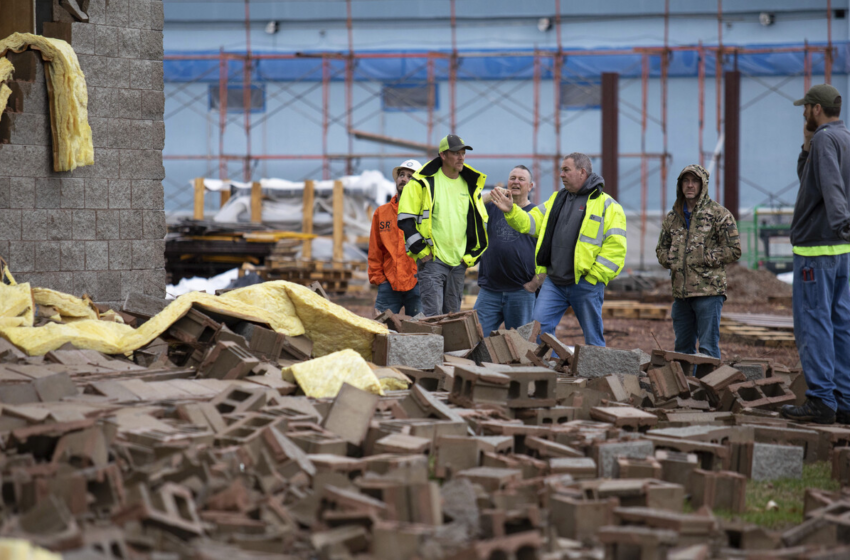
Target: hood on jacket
x=592, y=182
x=700, y=172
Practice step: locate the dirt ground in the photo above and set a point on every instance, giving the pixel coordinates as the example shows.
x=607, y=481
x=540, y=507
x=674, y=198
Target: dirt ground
x=747, y=292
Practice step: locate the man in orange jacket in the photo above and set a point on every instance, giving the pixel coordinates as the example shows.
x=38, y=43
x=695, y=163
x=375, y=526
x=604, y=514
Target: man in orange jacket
x=389, y=266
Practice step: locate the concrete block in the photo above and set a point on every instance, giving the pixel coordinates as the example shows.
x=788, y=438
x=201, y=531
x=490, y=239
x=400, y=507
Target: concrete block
x=117, y=72
x=598, y=361
x=143, y=74
x=99, y=102
x=10, y=225
x=4, y=250
x=106, y=165
x=62, y=282
x=26, y=129
x=131, y=223
x=606, y=454
x=106, y=41
x=771, y=462
x=130, y=134
x=153, y=105
x=97, y=255
x=227, y=360
x=154, y=224
x=97, y=193
x=155, y=282
x=28, y=161
x=142, y=164
x=94, y=68
x=108, y=283
x=85, y=225
x=84, y=283
x=22, y=256
x=129, y=42
x=73, y=193
x=21, y=192
x=140, y=14
x=133, y=281
x=121, y=256
x=60, y=225
x=150, y=45
x=107, y=225
x=73, y=257
x=580, y=519
x=47, y=256
x=423, y=351
x=99, y=131
x=117, y=12
x=34, y=225
x=125, y=103
x=157, y=137
x=81, y=36
x=157, y=14
x=48, y=193
x=148, y=253
x=120, y=193
x=4, y=193
x=351, y=414
x=753, y=371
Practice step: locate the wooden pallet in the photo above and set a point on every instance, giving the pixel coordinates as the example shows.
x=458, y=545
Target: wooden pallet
x=334, y=277
x=756, y=336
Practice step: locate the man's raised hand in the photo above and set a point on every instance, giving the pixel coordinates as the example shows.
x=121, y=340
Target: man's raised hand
x=502, y=201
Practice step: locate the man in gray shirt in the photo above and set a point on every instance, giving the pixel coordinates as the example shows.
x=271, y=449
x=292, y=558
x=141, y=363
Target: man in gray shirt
x=820, y=236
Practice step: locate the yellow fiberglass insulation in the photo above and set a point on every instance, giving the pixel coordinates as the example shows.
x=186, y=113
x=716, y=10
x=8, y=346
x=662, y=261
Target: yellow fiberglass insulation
x=6, y=70
x=66, y=84
x=323, y=377
x=284, y=306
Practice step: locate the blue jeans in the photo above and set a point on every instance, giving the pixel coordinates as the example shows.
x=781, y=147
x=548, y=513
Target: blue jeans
x=394, y=301
x=514, y=308
x=697, y=318
x=586, y=301
x=821, y=302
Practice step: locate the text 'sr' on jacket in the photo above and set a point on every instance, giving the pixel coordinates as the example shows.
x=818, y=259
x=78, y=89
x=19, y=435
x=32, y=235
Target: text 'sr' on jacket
x=388, y=259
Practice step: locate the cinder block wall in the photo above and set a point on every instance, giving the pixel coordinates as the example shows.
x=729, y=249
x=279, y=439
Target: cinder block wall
x=98, y=230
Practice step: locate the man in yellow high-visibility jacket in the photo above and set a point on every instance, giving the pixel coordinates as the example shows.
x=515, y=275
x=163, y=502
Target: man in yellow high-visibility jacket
x=581, y=246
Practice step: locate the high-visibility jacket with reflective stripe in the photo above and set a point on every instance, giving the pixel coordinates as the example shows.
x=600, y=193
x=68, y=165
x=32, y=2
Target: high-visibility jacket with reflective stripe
x=601, y=247
x=416, y=206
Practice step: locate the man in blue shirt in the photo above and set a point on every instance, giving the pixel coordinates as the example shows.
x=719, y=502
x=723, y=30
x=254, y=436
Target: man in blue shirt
x=506, y=279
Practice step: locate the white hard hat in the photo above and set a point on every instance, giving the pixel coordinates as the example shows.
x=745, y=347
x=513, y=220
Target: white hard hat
x=411, y=164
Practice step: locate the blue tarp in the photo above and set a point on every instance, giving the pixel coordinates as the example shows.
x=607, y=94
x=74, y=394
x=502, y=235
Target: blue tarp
x=683, y=64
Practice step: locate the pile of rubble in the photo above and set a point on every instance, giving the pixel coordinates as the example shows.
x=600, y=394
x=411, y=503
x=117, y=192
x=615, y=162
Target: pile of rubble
x=202, y=445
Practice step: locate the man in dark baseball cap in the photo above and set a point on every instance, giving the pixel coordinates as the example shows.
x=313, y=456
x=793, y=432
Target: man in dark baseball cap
x=820, y=237
x=453, y=143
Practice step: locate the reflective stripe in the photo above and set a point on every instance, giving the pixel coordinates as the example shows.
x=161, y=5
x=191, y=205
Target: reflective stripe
x=615, y=231
x=608, y=202
x=542, y=208
x=599, y=234
x=425, y=215
x=407, y=217
x=413, y=239
x=429, y=241
x=606, y=263
x=533, y=227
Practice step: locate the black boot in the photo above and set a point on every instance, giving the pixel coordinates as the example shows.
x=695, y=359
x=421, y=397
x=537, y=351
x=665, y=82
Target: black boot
x=813, y=410
x=842, y=417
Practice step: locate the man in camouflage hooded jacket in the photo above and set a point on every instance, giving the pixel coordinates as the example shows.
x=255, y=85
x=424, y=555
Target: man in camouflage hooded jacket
x=699, y=237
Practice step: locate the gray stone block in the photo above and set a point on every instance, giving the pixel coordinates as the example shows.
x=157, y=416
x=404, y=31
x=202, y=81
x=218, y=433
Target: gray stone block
x=4, y=250
x=26, y=129
x=85, y=283
x=48, y=193
x=153, y=105
x=106, y=165
x=21, y=192
x=150, y=45
x=157, y=76
x=97, y=12
x=129, y=43
x=39, y=279
x=140, y=14
x=48, y=257
x=133, y=281
x=108, y=225
x=100, y=102
x=154, y=224
x=753, y=372
x=73, y=193
x=109, y=285
x=131, y=224
x=120, y=193
x=157, y=15
x=97, y=193
x=73, y=258
x=4, y=193
x=117, y=12
x=155, y=283
x=772, y=462
x=62, y=282
x=60, y=225
x=33, y=95
x=157, y=135
x=83, y=37
x=598, y=361
x=26, y=161
x=148, y=195
x=99, y=131
x=10, y=225
x=22, y=256
x=609, y=452
x=149, y=253
x=643, y=357
x=94, y=69
x=97, y=255
x=117, y=72
x=34, y=225
x=106, y=39
x=126, y=103
x=85, y=225
x=121, y=255
x=131, y=134
x=142, y=164
x=422, y=351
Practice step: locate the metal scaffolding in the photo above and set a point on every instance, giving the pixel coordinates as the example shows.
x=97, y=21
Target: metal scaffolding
x=542, y=59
